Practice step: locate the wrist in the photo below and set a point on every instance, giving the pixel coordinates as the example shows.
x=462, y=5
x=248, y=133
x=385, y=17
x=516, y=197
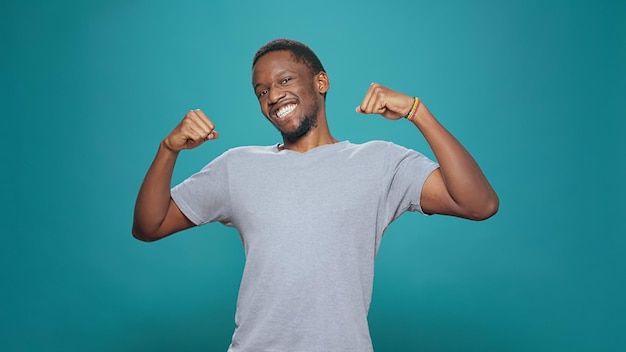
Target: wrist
x=164, y=146
x=422, y=117
x=414, y=107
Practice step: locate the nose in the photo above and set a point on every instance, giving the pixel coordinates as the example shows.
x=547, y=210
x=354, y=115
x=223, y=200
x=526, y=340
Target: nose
x=275, y=94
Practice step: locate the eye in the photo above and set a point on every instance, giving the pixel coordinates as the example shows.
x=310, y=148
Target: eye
x=285, y=80
x=261, y=93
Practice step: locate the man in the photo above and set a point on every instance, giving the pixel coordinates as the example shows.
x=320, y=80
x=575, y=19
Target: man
x=311, y=211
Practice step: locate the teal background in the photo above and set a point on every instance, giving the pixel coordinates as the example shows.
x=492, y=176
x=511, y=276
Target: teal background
x=534, y=89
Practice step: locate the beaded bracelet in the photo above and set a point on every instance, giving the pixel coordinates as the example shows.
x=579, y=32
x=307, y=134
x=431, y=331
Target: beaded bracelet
x=416, y=105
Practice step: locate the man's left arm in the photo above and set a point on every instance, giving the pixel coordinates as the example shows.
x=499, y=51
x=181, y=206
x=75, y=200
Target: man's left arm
x=458, y=187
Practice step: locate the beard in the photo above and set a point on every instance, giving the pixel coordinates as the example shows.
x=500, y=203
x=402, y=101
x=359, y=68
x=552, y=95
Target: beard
x=308, y=122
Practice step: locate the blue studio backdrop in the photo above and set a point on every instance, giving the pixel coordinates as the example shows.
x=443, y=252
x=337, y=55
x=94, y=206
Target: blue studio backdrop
x=534, y=89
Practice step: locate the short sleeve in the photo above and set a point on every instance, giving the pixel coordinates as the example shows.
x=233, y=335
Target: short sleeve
x=405, y=172
x=204, y=197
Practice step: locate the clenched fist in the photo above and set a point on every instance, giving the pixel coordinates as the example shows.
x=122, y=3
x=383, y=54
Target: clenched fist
x=191, y=132
x=386, y=102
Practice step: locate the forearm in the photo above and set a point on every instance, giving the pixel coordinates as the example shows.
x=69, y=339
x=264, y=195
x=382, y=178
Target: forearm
x=464, y=181
x=153, y=200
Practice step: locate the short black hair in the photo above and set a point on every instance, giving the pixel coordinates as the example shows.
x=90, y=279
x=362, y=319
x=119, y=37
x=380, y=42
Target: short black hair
x=300, y=51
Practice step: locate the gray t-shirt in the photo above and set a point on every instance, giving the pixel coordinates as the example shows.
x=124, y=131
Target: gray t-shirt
x=311, y=224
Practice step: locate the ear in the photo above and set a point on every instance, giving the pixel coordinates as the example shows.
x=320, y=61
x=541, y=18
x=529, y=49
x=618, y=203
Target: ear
x=322, y=83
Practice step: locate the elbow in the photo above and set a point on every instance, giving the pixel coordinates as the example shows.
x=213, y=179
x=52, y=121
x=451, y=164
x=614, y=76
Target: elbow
x=142, y=235
x=488, y=209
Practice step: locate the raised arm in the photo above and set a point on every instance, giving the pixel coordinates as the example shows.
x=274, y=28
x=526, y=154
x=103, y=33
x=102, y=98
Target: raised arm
x=458, y=187
x=156, y=214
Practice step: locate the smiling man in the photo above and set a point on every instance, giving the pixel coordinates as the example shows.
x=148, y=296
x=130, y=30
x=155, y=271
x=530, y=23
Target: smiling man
x=312, y=210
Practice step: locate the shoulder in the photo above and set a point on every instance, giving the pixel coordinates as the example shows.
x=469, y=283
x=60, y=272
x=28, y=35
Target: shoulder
x=379, y=147
x=238, y=155
x=391, y=155
x=245, y=152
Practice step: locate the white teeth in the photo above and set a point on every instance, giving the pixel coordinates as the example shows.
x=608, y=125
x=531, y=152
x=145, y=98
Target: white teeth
x=285, y=110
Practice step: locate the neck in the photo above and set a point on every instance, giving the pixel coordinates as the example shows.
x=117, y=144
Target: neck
x=318, y=136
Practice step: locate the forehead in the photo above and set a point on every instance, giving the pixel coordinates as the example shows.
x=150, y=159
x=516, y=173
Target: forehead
x=276, y=62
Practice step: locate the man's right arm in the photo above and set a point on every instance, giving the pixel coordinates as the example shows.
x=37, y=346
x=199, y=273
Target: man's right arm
x=156, y=214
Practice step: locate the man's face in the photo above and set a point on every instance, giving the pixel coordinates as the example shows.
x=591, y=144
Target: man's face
x=288, y=93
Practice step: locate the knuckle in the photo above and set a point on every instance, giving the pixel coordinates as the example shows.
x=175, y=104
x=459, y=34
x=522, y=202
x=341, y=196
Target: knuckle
x=186, y=123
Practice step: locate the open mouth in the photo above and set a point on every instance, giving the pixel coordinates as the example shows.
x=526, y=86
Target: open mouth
x=286, y=110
